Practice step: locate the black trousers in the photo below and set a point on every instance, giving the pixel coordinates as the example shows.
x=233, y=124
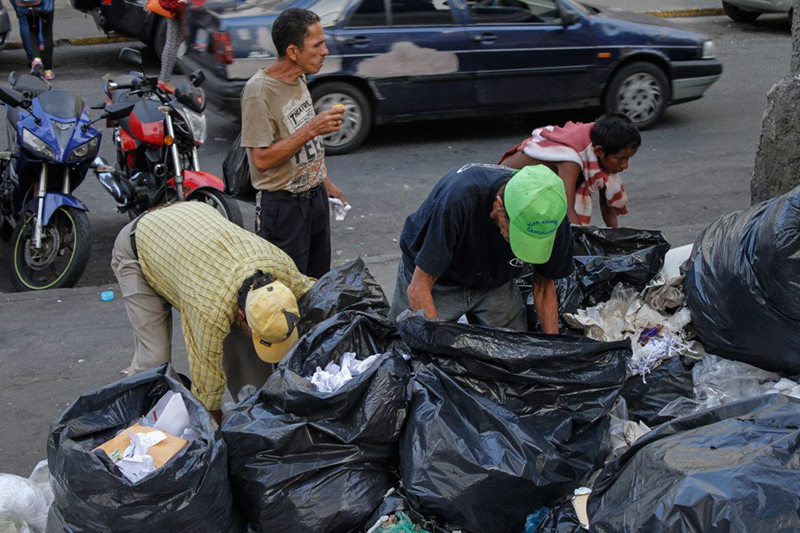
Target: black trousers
x=300, y=226
x=46, y=21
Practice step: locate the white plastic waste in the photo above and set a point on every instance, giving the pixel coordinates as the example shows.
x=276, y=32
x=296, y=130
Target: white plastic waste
x=333, y=376
x=24, y=503
x=339, y=209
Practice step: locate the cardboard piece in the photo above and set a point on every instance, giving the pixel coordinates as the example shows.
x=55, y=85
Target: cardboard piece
x=161, y=452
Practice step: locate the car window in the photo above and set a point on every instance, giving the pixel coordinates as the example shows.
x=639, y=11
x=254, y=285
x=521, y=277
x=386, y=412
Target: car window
x=369, y=13
x=513, y=11
x=329, y=11
x=420, y=13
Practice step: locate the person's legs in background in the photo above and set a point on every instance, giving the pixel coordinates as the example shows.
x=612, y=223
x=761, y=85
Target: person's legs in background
x=47, y=43
x=170, y=53
x=31, y=50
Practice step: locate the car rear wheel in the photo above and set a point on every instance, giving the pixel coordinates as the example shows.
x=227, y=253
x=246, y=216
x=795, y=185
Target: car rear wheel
x=739, y=15
x=357, y=118
x=640, y=91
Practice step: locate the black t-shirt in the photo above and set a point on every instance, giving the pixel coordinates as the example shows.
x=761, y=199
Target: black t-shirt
x=452, y=237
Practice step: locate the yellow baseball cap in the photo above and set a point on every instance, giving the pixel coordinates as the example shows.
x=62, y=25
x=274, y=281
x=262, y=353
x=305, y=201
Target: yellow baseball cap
x=272, y=315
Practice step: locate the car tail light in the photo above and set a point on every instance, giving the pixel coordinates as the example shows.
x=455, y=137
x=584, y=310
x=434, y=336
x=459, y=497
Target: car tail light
x=221, y=47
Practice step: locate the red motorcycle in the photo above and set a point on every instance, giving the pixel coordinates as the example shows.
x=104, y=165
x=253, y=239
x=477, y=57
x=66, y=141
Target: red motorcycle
x=157, y=145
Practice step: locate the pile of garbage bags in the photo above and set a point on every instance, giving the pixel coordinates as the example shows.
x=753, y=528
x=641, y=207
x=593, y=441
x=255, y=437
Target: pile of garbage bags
x=189, y=493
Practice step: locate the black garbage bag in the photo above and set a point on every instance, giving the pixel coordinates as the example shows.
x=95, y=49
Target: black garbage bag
x=607, y=256
x=236, y=171
x=743, y=285
x=562, y=518
x=732, y=468
x=646, y=398
x=503, y=422
x=189, y=493
x=348, y=287
x=603, y=257
x=304, y=461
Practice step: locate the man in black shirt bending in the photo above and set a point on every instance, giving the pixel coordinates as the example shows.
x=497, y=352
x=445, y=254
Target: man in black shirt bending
x=467, y=242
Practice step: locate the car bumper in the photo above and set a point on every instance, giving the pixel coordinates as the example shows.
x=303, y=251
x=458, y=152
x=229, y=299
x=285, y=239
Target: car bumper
x=223, y=93
x=690, y=79
x=766, y=6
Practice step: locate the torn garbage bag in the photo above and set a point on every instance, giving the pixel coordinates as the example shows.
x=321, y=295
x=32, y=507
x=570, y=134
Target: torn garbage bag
x=646, y=396
x=348, y=287
x=743, y=285
x=503, y=422
x=304, y=461
x=732, y=468
x=189, y=493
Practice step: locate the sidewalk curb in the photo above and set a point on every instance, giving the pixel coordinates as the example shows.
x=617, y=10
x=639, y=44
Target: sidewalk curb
x=100, y=39
x=691, y=12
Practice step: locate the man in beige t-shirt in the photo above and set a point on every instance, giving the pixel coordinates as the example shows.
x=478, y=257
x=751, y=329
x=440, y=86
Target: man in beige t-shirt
x=285, y=152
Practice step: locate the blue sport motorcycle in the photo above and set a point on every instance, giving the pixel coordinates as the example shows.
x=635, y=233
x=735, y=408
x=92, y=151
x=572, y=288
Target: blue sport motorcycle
x=52, y=143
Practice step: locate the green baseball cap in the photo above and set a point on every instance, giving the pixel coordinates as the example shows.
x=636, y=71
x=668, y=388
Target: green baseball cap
x=536, y=203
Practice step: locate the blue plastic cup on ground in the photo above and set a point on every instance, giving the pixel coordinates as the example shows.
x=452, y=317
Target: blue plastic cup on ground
x=107, y=296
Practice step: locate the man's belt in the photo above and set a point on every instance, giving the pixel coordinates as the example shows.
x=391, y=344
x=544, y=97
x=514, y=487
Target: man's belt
x=286, y=194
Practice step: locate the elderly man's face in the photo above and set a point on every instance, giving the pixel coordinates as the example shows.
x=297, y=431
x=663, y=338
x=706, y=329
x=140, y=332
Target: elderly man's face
x=311, y=57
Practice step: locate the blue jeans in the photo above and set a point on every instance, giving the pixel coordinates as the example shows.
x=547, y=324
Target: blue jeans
x=24, y=32
x=501, y=307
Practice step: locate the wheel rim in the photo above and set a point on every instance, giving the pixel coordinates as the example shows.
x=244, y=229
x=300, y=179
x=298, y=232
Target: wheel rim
x=640, y=97
x=353, y=118
x=210, y=199
x=43, y=268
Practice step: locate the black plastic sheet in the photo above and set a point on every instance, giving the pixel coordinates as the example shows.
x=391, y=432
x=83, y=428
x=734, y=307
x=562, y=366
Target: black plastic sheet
x=236, y=172
x=743, y=285
x=646, y=398
x=503, y=422
x=348, y=287
x=303, y=461
x=733, y=468
x=189, y=493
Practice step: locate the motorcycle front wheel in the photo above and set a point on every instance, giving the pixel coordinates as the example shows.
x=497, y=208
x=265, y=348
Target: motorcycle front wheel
x=61, y=259
x=226, y=205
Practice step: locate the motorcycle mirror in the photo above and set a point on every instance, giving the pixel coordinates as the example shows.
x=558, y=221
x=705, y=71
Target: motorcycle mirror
x=117, y=111
x=11, y=97
x=197, y=77
x=132, y=57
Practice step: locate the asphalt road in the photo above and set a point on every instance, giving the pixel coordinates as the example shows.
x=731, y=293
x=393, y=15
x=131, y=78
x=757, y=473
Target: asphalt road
x=693, y=167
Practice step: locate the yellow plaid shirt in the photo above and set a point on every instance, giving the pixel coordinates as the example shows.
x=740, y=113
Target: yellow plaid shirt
x=197, y=260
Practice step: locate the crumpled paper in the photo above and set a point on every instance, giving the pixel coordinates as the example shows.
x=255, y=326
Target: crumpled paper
x=333, y=376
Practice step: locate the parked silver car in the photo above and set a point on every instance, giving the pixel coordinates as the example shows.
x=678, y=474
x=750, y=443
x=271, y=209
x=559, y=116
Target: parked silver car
x=750, y=10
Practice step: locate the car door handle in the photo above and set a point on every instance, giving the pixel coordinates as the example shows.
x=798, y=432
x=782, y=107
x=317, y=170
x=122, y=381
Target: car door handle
x=356, y=41
x=484, y=38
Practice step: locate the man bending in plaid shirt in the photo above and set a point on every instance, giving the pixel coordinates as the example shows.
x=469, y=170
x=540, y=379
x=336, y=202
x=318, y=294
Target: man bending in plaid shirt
x=188, y=256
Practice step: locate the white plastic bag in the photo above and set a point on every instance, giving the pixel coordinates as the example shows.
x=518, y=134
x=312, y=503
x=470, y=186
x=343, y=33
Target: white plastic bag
x=24, y=503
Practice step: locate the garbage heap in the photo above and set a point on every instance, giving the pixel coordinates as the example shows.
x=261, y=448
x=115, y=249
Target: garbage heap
x=647, y=414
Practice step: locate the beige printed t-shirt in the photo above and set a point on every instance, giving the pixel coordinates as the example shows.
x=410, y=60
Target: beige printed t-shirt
x=271, y=111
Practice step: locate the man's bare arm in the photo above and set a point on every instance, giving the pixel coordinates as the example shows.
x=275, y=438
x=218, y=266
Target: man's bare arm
x=546, y=301
x=608, y=212
x=420, y=293
x=283, y=150
x=569, y=173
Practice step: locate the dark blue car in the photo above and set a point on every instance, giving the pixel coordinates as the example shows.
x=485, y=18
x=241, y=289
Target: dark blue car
x=401, y=60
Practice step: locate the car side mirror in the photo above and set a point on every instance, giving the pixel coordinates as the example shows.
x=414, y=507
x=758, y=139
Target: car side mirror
x=117, y=111
x=569, y=17
x=132, y=57
x=11, y=97
x=197, y=77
